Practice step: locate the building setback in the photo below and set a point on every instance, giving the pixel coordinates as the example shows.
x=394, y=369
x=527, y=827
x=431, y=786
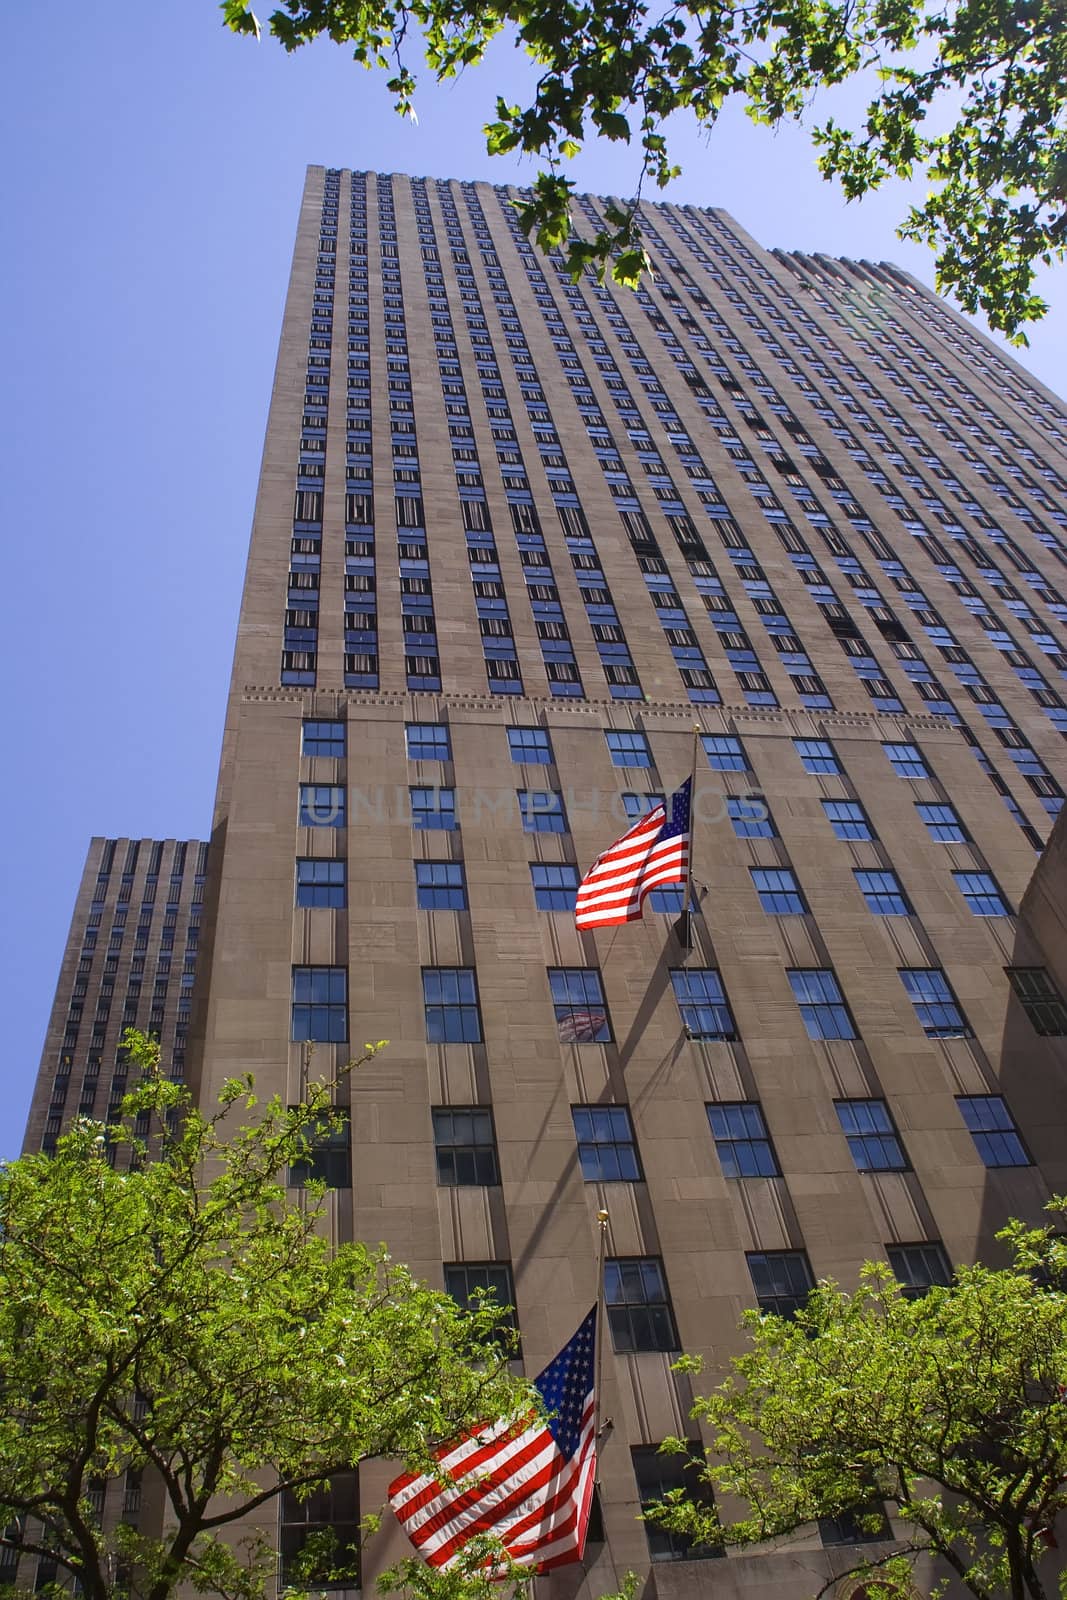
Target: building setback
x=515, y=540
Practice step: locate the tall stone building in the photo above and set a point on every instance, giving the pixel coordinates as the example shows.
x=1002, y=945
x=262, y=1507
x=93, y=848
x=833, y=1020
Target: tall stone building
x=520, y=547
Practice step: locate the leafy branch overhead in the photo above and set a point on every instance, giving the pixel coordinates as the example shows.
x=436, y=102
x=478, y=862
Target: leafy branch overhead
x=169, y=1307
x=948, y=1411
x=971, y=94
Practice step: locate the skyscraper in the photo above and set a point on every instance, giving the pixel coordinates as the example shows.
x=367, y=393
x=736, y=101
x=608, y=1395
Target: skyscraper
x=521, y=547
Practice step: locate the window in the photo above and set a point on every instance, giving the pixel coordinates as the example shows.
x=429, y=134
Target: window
x=750, y=817
x=555, y=886
x=320, y=883
x=724, y=754
x=530, y=746
x=943, y=824
x=980, y=891
x=742, y=1140
x=883, y=893
x=871, y=1136
x=320, y=1004
x=628, y=749
x=906, y=761
x=778, y=890
x=822, y=1006
x=935, y=1004
x=541, y=811
x=468, y=1281
x=1040, y=999
x=702, y=1003
x=816, y=755
x=440, y=886
x=578, y=1002
x=635, y=805
x=328, y=1158
x=332, y=1509
x=781, y=1278
x=433, y=809
x=848, y=819
x=918, y=1267
x=322, y=805
x=428, y=741
x=324, y=739
x=450, y=997
x=993, y=1130
x=465, y=1147
x=606, y=1148
x=639, y=1309
x=863, y=1524
x=657, y=1475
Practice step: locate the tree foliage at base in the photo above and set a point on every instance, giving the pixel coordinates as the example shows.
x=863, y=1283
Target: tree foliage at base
x=166, y=1307
x=995, y=72
x=949, y=1409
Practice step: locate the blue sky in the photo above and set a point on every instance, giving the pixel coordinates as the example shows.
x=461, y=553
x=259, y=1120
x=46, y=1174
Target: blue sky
x=153, y=175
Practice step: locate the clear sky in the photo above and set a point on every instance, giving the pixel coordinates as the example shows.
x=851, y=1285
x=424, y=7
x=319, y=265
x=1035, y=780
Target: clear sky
x=153, y=168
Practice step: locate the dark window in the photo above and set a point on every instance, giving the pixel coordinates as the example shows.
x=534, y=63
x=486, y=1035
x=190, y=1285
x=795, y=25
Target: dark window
x=578, y=1003
x=724, y=754
x=541, y=811
x=324, y=739
x=465, y=1147
x=320, y=883
x=440, y=886
x=450, y=997
x=530, y=746
x=993, y=1130
x=816, y=755
x=639, y=1309
x=883, y=893
x=943, y=823
x=821, y=1003
x=328, y=1158
x=906, y=760
x=322, y=805
x=980, y=891
x=781, y=1278
x=468, y=1281
x=864, y=1524
x=918, y=1267
x=657, y=1475
x=848, y=819
x=433, y=809
x=702, y=1002
x=750, y=817
x=871, y=1136
x=628, y=749
x=778, y=890
x=428, y=741
x=606, y=1148
x=320, y=1004
x=1041, y=1000
x=332, y=1509
x=935, y=1004
x=555, y=886
x=742, y=1140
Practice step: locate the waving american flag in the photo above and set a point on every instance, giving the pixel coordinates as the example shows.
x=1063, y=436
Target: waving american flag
x=655, y=851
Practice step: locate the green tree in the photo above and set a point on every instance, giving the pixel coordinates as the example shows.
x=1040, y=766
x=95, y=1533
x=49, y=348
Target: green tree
x=167, y=1307
x=947, y=1409
x=971, y=94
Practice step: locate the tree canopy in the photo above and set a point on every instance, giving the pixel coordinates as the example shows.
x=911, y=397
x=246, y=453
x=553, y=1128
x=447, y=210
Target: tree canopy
x=169, y=1306
x=970, y=94
x=946, y=1409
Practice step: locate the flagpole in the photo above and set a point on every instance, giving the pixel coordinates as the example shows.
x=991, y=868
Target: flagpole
x=692, y=841
x=601, y=1333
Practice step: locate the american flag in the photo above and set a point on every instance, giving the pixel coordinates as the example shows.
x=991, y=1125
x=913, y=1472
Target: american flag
x=655, y=851
x=526, y=1482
